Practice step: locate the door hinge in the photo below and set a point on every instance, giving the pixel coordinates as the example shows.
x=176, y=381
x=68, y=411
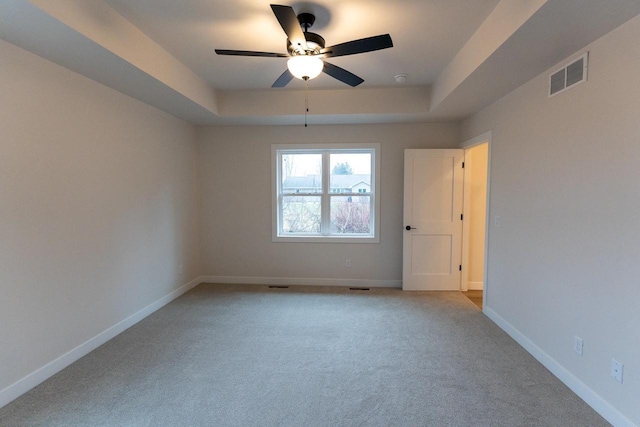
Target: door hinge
x=460, y=267
x=461, y=216
x=462, y=165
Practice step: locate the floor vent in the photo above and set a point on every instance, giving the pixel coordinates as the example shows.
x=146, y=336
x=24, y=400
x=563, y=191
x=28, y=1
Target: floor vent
x=568, y=76
x=359, y=289
x=278, y=287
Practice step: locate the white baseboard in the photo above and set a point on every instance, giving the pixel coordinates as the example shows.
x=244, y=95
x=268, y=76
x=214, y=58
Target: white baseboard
x=475, y=286
x=300, y=281
x=25, y=384
x=600, y=405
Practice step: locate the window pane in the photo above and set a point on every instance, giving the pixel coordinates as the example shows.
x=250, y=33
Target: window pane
x=350, y=173
x=301, y=214
x=351, y=215
x=301, y=173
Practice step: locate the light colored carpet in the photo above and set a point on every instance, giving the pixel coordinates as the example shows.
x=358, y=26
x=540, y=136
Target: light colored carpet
x=253, y=356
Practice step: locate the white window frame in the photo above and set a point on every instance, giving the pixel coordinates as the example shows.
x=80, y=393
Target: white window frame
x=276, y=179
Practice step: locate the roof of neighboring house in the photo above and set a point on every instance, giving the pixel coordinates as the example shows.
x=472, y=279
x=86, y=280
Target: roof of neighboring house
x=337, y=181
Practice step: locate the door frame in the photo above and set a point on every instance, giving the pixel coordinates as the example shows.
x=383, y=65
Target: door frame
x=480, y=139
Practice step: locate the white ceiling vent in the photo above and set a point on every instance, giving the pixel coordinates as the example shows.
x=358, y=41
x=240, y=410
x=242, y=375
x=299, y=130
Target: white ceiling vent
x=568, y=76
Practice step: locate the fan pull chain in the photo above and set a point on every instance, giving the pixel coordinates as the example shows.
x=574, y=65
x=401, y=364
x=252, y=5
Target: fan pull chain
x=306, y=100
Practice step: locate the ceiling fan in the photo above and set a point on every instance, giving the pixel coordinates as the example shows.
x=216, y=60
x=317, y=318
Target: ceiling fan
x=306, y=50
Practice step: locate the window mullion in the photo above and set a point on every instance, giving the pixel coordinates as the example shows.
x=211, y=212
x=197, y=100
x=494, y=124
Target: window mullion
x=326, y=201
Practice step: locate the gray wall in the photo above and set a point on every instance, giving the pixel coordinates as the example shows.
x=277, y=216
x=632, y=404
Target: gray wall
x=235, y=169
x=98, y=209
x=565, y=180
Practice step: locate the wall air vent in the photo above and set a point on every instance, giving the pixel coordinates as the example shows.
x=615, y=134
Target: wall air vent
x=569, y=75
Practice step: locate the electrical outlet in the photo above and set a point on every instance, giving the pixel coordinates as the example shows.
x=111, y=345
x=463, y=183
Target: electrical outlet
x=498, y=221
x=347, y=263
x=616, y=370
x=577, y=345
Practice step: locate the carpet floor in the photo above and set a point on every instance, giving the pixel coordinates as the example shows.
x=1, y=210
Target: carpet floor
x=225, y=355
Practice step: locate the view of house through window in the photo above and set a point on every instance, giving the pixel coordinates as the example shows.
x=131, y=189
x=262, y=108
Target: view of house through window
x=325, y=193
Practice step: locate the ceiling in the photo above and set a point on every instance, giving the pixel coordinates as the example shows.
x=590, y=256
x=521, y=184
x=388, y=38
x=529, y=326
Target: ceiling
x=458, y=55
x=191, y=33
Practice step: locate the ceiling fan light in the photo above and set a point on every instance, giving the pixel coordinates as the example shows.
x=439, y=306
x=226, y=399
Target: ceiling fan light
x=305, y=66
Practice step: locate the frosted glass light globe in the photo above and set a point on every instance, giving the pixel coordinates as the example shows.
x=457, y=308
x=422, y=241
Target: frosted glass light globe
x=305, y=66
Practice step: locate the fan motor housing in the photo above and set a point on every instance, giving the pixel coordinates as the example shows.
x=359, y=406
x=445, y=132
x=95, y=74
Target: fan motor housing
x=315, y=43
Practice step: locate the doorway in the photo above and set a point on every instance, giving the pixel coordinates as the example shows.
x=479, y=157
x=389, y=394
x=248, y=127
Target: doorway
x=441, y=250
x=474, y=242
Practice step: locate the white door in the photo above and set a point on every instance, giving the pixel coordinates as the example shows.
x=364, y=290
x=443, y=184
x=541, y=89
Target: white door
x=432, y=246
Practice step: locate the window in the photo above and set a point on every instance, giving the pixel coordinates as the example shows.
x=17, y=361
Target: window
x=326, y=193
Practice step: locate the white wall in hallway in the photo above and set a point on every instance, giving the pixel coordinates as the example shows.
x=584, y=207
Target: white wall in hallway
x=477, y=162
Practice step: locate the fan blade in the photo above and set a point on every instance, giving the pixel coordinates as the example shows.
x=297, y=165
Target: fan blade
x=358, y=46
x=283, y=80
x=342, y=75
x=289, y=23
x=250, y=53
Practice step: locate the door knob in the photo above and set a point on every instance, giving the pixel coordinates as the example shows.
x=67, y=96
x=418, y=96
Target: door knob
x=408, y=227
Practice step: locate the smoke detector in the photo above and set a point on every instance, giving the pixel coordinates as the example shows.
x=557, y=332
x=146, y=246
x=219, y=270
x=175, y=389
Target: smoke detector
x=400, y=78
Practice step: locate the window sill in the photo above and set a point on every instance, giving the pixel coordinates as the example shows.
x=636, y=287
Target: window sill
x=325, y=239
